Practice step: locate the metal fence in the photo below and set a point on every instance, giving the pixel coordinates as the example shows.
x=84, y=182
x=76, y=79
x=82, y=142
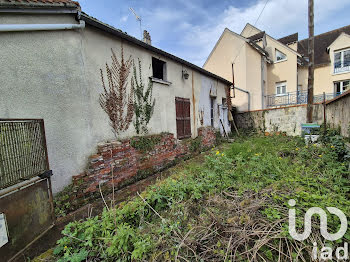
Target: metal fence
x=23, y=152
x=295, y=98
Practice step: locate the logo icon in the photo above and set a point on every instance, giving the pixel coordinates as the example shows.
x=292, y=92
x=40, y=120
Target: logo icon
x=323, y=222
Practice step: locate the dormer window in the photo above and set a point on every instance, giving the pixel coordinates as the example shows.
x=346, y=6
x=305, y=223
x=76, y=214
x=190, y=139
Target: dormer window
x=280, y=56
x=342, y=61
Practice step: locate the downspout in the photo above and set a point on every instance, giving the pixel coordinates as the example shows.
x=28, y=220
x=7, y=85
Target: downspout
x=40, y=27
x=247, y=92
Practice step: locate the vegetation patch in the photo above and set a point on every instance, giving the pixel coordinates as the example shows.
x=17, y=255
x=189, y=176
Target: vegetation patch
x=145, y=143
x=232, y=207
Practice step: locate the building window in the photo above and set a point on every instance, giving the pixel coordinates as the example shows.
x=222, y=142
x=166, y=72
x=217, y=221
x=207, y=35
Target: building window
x=159, y=69
x=183, y=117
x=212, y=102
x=280, y=56
x=281, y=88
x=341, y=86
x=342, y=61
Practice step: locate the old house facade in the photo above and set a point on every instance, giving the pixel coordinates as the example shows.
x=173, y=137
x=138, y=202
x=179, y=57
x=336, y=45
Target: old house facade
x=273, y=72
x=51, y=55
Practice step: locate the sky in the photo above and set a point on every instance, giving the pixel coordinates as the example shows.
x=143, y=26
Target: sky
x=189, y=29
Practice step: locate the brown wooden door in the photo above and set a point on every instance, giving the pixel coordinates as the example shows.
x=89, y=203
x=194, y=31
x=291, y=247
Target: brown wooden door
x=183, y=117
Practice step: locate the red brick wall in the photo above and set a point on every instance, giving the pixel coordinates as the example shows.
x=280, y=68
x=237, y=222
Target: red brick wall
x=131, y=164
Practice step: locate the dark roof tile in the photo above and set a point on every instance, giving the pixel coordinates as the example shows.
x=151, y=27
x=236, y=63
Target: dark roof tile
x=39, y=3
x=289, y=39
x=257, y=36
x=322, y=41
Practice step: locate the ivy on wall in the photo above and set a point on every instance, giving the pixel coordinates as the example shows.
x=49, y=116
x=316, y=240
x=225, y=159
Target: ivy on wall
x=143, y=101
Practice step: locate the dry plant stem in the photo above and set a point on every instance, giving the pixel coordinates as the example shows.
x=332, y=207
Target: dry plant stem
x=104, y=201
x=162, y=219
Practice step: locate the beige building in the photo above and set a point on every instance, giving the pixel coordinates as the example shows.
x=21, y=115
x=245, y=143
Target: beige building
x=51, y=55
x=271, y=72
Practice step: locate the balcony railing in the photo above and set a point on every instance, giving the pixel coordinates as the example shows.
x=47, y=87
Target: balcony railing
x=295, y=98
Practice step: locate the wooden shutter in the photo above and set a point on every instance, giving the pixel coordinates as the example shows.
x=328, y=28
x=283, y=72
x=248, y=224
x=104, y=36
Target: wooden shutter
x=183, y=117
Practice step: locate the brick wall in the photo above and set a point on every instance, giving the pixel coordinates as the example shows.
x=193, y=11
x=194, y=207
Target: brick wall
x=131, y=164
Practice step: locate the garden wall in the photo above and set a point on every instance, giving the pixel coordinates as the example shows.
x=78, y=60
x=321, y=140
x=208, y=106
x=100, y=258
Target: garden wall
x=289, y=119
x=134, y=159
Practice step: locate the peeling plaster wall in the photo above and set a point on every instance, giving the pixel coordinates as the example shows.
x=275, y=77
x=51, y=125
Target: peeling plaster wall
x=55, y=75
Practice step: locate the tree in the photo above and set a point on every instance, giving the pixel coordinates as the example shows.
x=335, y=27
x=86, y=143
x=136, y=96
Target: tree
x=143, y=102
x=115, y=101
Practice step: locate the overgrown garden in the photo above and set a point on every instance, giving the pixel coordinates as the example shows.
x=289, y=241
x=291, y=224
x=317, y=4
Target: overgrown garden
x=232, y=207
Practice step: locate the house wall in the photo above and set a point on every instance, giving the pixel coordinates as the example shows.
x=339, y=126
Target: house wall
x=302, y=77
x=55, y=75
x=229, y=47
x=281, y=71
x=324, y=76
x=249, y=30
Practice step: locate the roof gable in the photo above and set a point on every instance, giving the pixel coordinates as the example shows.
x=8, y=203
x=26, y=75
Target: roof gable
x=249, y=30
x=341, y=36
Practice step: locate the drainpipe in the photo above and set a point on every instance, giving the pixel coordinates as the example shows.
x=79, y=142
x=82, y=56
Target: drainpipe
x=247, y=92
x=40, y=27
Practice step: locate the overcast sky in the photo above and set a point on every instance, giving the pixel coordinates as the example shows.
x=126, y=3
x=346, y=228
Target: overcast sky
x=190, y=28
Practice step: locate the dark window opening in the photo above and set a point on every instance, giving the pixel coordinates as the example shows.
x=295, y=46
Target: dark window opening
x=212, y=111
x=159, y=68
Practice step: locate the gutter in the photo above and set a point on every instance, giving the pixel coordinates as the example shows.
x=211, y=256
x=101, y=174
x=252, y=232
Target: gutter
x=40, y=27
x=245, y=91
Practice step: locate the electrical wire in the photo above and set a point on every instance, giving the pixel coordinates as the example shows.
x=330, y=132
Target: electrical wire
x=256, y=21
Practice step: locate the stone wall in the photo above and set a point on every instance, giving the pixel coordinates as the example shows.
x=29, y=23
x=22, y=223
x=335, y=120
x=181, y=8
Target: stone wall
x=134, y=159
x=285, y=119
x=289, y=119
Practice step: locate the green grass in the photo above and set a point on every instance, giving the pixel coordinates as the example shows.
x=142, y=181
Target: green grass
x=196, y=214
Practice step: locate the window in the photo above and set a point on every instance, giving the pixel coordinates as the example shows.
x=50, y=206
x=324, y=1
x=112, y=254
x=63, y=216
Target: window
x=280, y=56
x=159, y=69
x=342, y=61
x=224, y=102
x=212, y=102
x=341, y=87
x=281, y=88
x=183, y=117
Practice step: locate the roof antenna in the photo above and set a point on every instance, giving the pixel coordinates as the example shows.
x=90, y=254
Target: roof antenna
x=138, y=18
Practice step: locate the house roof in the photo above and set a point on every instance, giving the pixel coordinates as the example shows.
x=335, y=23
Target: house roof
x=257, y=36
x=322, y=42
x=289, y=39
x=38, y=3
x=89, y=20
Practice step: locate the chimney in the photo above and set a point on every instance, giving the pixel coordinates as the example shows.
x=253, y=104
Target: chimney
x=146, y=37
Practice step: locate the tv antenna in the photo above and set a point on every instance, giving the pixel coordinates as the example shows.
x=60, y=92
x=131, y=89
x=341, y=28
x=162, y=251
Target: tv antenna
x=138, y=18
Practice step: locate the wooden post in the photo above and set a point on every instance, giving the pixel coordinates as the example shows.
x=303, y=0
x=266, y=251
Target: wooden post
x=310, y=83
x=233, y=82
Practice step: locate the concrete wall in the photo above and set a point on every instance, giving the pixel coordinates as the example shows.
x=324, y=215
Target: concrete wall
x=55, y=75
x=338, y=113
x=289, y=119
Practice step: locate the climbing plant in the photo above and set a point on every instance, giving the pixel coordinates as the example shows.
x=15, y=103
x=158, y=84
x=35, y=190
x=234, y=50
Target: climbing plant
x=143, y=101
x=114, y=100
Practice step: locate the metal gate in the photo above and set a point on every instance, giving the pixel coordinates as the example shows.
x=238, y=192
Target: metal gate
x=26, y=204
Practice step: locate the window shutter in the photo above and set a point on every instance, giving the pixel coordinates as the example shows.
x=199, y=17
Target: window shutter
x=183, y=117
